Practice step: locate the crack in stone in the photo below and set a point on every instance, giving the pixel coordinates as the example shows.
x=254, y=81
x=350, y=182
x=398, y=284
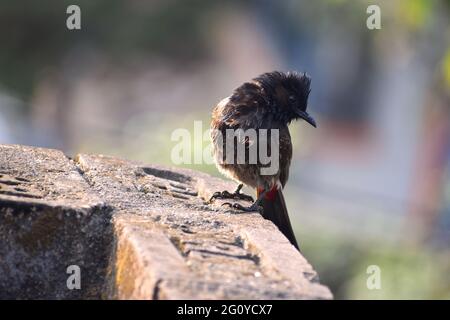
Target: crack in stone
x=247, y=256
x=157, y=290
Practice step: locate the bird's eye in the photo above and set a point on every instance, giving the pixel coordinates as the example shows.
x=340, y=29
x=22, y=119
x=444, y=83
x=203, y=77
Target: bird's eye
x=292, y=99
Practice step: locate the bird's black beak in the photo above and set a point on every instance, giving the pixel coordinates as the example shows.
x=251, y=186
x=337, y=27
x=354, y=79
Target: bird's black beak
x=305, y=116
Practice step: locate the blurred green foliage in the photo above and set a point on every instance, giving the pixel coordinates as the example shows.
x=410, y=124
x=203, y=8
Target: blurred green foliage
x=414, y=13
x=446, y=69
x=33, y=34
x=407, y=272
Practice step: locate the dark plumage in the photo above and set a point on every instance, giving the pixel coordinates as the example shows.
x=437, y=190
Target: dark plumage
x=270, y=101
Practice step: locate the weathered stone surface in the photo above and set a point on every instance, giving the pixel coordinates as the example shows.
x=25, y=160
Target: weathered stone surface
x=49, y=220
x=137, y=232
x=144, y=256
x=220, y=253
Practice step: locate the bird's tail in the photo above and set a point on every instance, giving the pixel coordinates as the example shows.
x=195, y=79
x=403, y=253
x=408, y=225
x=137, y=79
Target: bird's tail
x=274, y=209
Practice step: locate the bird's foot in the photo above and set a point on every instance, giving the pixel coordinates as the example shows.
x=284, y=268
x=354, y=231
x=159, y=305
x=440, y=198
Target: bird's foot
x=237, y=195
x=255, y=207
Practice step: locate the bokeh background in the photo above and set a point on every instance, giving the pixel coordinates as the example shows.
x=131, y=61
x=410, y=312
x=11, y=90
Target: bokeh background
x=370, y=186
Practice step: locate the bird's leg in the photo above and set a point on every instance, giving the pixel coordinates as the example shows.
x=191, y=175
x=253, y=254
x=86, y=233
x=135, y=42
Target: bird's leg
x=254, y=207
x=235, y=195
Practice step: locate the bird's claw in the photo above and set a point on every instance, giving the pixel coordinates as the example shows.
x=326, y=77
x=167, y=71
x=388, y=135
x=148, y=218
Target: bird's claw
x=254, y=207
x=227, y=195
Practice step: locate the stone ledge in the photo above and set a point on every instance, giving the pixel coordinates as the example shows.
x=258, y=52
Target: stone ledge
x=139, y=231
x=49, y=219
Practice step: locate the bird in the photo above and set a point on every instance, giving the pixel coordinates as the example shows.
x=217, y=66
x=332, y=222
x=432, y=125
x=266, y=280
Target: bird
x=268, y=103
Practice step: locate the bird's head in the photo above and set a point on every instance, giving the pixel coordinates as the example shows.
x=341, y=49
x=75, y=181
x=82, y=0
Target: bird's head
x=289, y=95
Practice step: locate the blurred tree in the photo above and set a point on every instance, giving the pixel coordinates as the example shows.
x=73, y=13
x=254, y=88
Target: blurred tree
x=33, y=34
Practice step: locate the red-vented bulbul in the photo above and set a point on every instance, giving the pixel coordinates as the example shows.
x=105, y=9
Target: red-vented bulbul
x=270, y=101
